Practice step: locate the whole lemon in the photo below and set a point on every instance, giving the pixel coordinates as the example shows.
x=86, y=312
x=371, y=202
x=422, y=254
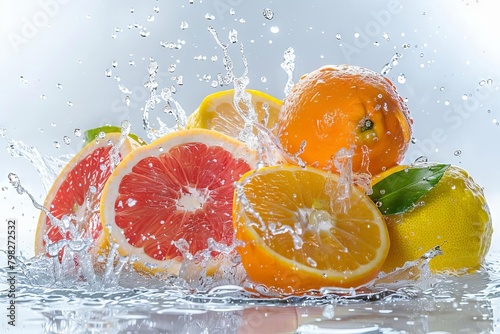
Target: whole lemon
x=453, y=215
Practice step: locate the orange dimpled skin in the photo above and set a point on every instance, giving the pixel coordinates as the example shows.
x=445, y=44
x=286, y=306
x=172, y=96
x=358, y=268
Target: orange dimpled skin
x=344, y=106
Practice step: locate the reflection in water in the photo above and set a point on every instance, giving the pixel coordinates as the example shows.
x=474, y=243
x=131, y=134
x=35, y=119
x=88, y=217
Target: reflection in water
x=464, y=304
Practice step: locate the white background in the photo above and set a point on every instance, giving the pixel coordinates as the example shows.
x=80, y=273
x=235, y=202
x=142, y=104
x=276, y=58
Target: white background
x=449, y=51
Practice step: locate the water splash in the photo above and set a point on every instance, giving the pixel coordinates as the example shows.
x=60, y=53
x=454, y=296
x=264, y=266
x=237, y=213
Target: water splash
x=154, y=99
x=114, y=153
x=228, y=78
x=268, y=13
x=47, y=167
x=288, y=65
x=254, y=134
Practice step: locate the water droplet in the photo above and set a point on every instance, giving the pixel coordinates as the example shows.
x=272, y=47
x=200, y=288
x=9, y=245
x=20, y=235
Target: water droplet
x=144, y=32
x=127, y=101
x=378, y=204
x=464, y=97
x=274, y=29
x=179, y=80
x=151, y=18
x=108, y=73
x=263, y=79
x=414, y=140
x=446, y=103
x=329, y=311
x=77, y=132
x=209, y=17
x=421, y=159
x=457, y=153
x=489, y=81
x=311, y=262
x=132, y=10
x=386, y=36
x=67, y=140
x=233, y=35
x=392, y=62
x=56, y=144
x=114, y=63
x=268, y=13
x=482, y=82
x=43, y=97
x=156, y=9
x=70, y=104
x=184, y=25
x=23, y=80
x=60, y=86
x=401, y=78
x=288, y=65
x=206, y=77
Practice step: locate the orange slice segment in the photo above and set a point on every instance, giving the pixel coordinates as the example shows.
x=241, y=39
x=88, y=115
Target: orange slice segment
x=176, y=192
x=294, y=240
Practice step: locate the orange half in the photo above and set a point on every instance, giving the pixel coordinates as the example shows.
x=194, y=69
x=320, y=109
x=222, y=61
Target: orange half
x=294, y=237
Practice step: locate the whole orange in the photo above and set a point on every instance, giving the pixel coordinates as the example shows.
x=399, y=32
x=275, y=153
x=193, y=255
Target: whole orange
x=345, y=106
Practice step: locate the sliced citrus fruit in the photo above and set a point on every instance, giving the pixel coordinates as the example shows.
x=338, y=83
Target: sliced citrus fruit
x=217, y=112
x=175, y=193
x=76, y=192
x=294, y=238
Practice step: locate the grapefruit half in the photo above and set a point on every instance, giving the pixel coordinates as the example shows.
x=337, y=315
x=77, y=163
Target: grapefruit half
x=177, y=190
x=76, y=192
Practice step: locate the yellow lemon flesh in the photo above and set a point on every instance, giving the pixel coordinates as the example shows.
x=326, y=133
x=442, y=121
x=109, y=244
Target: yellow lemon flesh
x=453, y=215
x=217, y=112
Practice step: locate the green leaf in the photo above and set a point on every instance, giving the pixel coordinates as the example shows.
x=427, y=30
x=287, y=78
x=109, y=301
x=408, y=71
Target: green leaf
x=94, y=133
x=401, y=191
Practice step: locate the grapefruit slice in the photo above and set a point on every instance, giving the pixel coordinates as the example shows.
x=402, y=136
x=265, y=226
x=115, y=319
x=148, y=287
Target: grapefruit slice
x=178, y=190
x=295, y=237
x=77, y=190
